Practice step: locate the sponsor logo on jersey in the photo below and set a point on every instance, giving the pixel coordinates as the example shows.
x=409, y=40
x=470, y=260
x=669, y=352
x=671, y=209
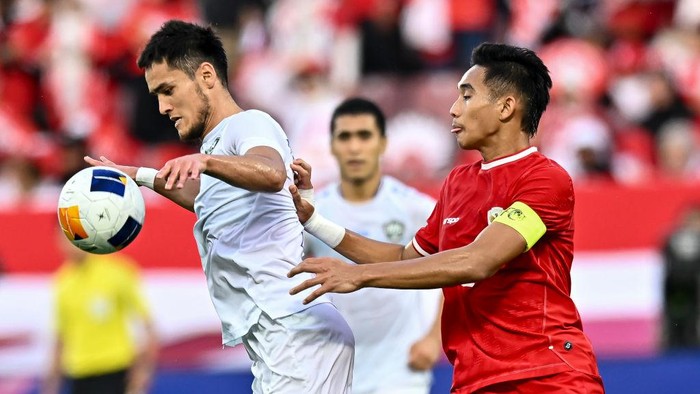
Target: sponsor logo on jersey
x=493, y=213
x=450, y=220
x=394, y=230
x=212, y=146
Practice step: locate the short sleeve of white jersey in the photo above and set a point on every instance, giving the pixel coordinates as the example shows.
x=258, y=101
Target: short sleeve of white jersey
x=255, y=128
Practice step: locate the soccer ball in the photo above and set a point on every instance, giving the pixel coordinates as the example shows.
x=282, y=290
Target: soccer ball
x=101, y=210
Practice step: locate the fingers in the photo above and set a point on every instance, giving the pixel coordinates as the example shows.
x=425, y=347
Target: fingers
x=297, y=270
x=296, y=197
x=305, y=285
x=94, y=162
x=177, y=172
x=304, y=165
x=91, y=161
x=106, y=161
x=164, y=173
x=317, y=293
x=301, y=168
x=309, y=283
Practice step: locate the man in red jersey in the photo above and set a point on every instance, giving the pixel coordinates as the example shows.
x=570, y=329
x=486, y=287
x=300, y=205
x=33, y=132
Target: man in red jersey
x=499, y=242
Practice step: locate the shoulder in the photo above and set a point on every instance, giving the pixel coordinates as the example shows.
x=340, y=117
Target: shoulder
x=250, y=120
x=258, y=116
x=545, y=170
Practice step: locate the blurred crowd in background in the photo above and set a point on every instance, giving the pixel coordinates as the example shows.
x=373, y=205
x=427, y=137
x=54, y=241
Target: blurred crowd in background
x=625, y=103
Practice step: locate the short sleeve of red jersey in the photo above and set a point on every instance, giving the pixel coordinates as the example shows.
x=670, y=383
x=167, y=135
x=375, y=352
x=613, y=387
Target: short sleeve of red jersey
x=549, y=192
x=427, y=238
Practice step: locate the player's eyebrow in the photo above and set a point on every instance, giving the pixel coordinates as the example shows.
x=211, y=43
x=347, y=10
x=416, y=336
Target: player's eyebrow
x=161, y=87
x=465, y=86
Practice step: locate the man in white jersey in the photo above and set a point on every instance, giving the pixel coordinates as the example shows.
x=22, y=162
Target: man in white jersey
x=397, y=332
x=247, y=230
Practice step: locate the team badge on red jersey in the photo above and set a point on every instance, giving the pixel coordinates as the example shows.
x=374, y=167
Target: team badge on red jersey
x=493, y=213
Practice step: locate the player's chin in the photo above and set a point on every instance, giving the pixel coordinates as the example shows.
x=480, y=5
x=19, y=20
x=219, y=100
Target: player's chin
x=187, y=135
x=465, y=143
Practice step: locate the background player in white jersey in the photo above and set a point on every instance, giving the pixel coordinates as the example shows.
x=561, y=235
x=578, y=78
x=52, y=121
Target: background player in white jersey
x=247, y=230
x=397, y=332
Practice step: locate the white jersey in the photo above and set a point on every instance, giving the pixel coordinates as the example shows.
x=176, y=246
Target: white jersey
x=248, y=241
x=385, y=322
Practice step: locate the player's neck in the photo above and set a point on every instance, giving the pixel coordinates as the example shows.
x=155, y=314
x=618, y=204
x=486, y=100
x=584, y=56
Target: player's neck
x=504, y=145
x=224, y=107
x=360, y=191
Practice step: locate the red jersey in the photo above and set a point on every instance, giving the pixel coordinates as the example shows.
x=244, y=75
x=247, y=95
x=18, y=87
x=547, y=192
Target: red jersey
x=521, y=322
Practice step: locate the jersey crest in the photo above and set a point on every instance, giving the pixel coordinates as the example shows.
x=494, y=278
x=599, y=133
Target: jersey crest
x=394, y=230
x=211, y=147
x=493, y=213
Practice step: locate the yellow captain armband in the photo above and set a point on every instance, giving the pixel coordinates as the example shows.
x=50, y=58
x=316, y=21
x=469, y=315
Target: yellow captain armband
x=524, y=220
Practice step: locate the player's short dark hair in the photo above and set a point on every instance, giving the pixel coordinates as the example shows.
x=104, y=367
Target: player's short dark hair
x=519, y=70
x=360, y=106
x=185, y=46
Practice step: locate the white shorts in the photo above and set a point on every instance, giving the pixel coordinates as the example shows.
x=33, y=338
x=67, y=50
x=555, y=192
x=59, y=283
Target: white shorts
x=309, y=352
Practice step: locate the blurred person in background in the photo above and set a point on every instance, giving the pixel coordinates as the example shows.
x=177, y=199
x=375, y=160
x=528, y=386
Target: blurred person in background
x=97, y=300
x=682, y=283
x=397, y=332
x=71, y=154
x=665, y=103
x=499, y=242
x=677, y=154
x=22, y=186
x=247, y=232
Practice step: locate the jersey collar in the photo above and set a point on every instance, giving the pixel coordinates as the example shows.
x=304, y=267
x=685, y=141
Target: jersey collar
x=508, y=159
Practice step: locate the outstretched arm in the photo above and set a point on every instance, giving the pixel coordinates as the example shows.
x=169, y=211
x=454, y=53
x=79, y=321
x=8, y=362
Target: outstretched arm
x=260, y=169
x=183, y=197
x=355, y=247
x=495, y=246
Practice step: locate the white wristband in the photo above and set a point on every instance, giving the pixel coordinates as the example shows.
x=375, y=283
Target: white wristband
x=330, y=233
x=308, y=195
x=146, y=177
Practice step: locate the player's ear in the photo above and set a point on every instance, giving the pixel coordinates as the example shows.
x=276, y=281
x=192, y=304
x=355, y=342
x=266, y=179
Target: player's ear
x=207, y=73
x=507, y=107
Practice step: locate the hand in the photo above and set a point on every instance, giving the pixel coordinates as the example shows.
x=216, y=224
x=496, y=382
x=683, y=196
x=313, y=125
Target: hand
x=128, y=170
x=304, y=207
x=333, y=275
x=181, y=169
x=302, y=174
x=424, y=353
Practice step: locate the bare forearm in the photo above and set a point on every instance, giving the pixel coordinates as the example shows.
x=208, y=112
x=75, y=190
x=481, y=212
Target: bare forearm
x=254, y=173
x=183, y=197
x=442, y=270
x=363, y=250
